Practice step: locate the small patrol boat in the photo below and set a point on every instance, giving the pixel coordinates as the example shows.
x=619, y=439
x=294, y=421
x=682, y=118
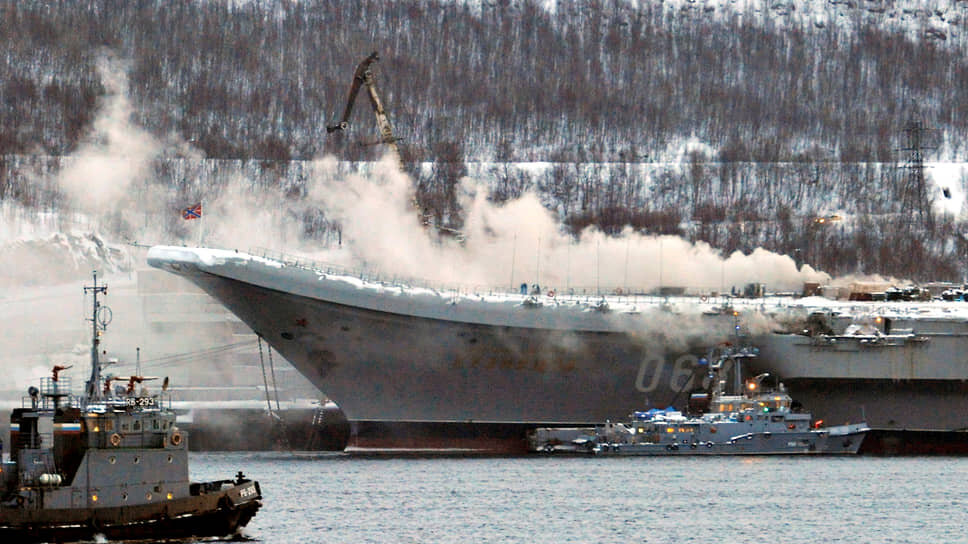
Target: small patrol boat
x=753, y=420
x=109, y=462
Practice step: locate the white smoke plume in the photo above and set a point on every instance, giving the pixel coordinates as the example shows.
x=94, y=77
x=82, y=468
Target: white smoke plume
x=115, y=153
x=108, y=181
x=503, y=245
x=522, y=242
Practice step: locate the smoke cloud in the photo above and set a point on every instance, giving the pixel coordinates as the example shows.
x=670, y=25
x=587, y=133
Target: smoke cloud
x=522, y=242
x=108, y=180
x=111, y=189
x=114, y=155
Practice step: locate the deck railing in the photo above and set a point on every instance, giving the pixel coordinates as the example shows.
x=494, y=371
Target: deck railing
x=568, y=294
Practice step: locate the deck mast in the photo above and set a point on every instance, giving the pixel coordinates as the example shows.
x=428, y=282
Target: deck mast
x=100, y=317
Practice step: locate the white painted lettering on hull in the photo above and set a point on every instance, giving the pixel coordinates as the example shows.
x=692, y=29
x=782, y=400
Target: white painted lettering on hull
x=683, y=373
x=653, y=363
x=681, y=377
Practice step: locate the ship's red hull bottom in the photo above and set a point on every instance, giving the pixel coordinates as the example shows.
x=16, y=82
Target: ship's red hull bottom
x=890, y=442
x=483, y=438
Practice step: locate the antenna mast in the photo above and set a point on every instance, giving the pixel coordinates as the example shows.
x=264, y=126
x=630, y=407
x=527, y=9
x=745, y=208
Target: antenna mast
x=100, y=317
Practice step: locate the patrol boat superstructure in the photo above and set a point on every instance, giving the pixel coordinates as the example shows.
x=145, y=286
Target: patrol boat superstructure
x=753, y=420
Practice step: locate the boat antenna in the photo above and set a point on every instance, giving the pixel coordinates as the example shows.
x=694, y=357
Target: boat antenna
x=568, y=266
x=537, y=263
x=660, y=264
x=598, y=267
x=514, y=250
x=625, y=279
x=100, y=317
x=737, y=361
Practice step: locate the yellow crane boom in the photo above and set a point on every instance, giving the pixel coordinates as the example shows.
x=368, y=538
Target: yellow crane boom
x=364, y=76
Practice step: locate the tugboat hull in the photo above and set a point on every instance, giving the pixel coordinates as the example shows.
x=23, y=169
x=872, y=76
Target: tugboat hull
x=214, y=514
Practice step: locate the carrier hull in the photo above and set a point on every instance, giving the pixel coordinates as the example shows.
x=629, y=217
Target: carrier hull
x=386, y=356
x=438, y=363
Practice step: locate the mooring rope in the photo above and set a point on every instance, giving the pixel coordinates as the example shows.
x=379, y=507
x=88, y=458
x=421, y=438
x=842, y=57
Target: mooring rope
x=272, y=369
x=265, y=380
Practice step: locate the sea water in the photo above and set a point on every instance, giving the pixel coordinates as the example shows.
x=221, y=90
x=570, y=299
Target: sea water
x=336, y=498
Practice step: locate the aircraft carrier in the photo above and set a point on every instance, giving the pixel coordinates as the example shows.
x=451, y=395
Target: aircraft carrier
x=900, y=366
x=453, y=364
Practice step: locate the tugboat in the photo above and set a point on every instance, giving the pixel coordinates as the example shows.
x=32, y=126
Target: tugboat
x=109, y=462
x=752, y=421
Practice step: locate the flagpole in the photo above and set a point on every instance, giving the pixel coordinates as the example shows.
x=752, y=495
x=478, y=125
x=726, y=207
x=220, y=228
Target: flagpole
x=201, y=224
x=192, y=213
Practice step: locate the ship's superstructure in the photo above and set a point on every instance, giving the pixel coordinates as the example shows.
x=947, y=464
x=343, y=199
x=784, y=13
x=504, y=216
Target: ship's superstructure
x=901, y=367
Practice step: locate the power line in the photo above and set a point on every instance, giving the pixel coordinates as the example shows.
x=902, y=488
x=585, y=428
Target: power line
x=178, y=358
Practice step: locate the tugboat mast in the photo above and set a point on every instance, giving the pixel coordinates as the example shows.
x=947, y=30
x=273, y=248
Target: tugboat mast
x=93, y=389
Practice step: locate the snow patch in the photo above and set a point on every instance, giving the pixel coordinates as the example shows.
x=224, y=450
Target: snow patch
x=61, y=258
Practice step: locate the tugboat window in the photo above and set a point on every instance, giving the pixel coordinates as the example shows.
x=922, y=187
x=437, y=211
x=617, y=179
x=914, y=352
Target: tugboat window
x=137, y=425
x=154, y=423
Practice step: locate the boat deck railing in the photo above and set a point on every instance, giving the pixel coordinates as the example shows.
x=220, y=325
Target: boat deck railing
x=52, y=394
